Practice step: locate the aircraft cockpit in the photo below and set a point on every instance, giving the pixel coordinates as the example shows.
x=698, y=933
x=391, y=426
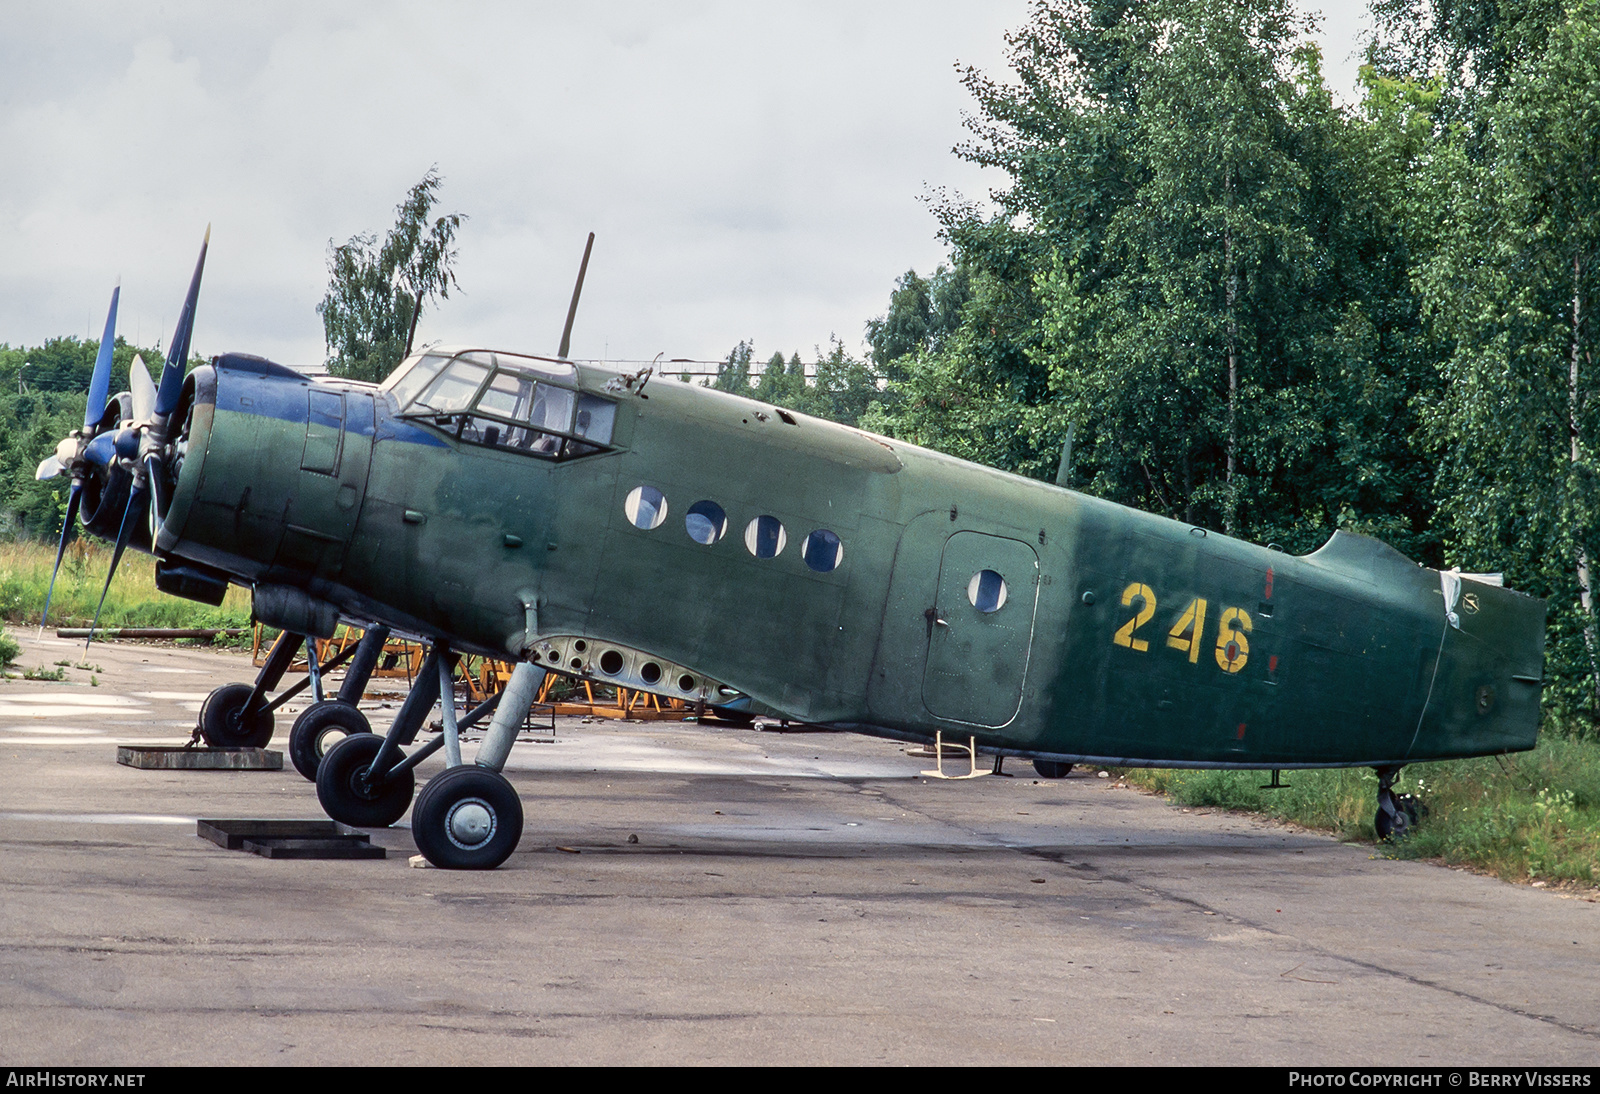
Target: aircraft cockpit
x=529, y=405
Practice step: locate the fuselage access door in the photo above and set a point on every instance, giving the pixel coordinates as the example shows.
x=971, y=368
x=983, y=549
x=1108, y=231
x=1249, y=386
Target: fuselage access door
x=326, y=504
x=980, y=630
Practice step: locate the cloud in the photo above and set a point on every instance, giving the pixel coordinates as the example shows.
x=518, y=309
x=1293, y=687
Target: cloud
x=752, y=171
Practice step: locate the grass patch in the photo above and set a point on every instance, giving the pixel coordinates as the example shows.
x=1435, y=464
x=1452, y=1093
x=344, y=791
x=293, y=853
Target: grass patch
x=1529, y=816
x=133, y=600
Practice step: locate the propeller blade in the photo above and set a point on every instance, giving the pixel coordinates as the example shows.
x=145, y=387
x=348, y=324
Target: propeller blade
x=100, y=379
x=61, y=549
x=49, y=468
x=158, y=508
x=137, y=497
x=144, y=390
x=178, y=352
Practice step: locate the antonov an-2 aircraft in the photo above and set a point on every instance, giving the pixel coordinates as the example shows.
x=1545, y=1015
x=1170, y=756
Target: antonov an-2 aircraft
x=691, y=543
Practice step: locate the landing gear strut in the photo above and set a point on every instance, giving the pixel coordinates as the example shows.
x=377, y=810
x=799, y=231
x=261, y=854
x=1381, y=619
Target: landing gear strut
x=467, y=818
x=470, y=817
x=1397, y=813
x=235, y=715
x=240, y=715
x=365, y=780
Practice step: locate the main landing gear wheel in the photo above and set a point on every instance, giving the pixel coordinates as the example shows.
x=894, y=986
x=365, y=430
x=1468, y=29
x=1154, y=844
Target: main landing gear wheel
x=1051, y=769
x=318, y=728
x=467, y=818
x=222, y=724
x=349, y=797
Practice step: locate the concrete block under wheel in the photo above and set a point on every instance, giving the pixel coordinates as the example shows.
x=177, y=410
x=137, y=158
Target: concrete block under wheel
x=302, y=839
x=175, y=758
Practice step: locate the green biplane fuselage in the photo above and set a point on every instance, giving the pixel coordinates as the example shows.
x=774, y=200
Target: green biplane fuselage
x=680, y=540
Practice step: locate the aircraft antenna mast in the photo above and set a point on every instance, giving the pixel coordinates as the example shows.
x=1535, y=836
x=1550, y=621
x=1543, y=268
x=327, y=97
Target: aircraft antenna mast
x=572, y=310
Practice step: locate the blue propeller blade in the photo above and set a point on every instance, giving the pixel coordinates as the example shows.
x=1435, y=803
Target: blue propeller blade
x=66, y=529
x=178, y=352
x=137, y=497
x=100, y=380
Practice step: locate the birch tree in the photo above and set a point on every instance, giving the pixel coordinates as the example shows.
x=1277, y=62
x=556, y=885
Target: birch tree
x=376, y=293
x=1512, y=289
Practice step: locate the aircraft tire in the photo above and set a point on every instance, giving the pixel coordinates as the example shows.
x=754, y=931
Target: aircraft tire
x=467, y=818
x=343, y=790
x=1051, y=769
x=311, y=735
x=220, y=724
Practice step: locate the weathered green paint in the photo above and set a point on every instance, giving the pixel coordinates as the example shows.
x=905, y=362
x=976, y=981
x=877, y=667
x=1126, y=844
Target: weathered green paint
x=475, y=544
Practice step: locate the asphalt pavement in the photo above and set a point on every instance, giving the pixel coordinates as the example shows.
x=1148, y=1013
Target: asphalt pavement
x=689, y=894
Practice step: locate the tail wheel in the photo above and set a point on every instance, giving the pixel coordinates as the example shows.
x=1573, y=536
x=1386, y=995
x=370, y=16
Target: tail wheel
x=1397, y=815
x=1051, y=769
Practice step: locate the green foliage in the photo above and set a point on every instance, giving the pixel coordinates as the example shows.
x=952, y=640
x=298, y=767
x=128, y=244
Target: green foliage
x=43, y=390
x=1475, y=44
x=1510, y=290
x=9, y=648
x=1338, y=800
x=133, y=600
x=733, y=374
x=783, y=383
x=1533, y=815
x=1194, y=266
x=923, y=312
x=841, y=390
x=375, y=293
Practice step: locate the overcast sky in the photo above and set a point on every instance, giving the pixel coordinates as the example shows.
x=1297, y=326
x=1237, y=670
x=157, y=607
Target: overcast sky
x=750, y=170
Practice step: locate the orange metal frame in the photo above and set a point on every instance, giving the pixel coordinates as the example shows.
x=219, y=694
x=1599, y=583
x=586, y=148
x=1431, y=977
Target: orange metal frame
x=484, y=676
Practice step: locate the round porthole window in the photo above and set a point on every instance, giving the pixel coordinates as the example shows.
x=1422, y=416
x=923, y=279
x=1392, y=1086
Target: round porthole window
x=764, y=537
x=705, y=522
x=822, y=551
x=646, y=507
x=987, y=591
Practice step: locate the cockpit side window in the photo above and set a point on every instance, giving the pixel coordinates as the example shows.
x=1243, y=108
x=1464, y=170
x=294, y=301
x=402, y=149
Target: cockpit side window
x=596, y=417
x=453, y=389
x=552, y=408
x=505, y=402
x=412, y=376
